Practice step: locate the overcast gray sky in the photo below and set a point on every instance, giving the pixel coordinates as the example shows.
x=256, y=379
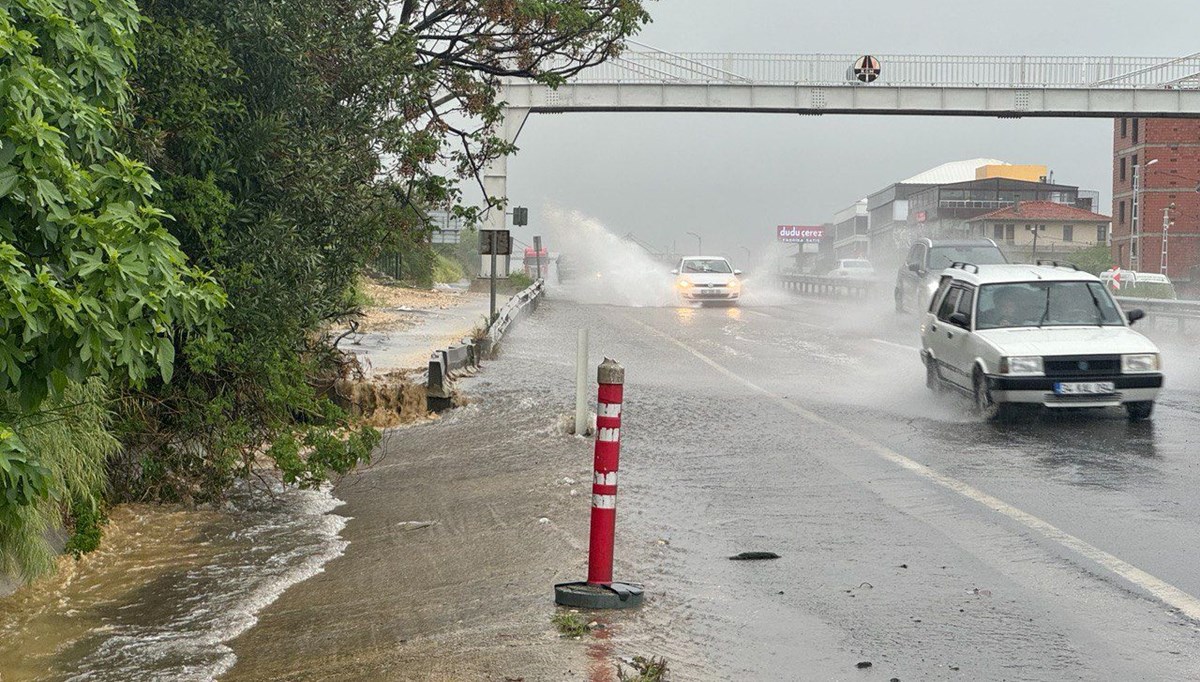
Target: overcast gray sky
x=733, y=177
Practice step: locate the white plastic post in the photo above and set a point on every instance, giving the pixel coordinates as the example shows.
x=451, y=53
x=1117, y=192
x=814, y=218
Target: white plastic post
x=581, y=367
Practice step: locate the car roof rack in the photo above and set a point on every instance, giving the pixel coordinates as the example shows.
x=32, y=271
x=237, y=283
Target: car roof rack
x=1057, y=264
x=960, y=265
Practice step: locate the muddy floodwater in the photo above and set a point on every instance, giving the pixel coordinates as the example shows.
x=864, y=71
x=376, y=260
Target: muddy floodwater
x=168, y=589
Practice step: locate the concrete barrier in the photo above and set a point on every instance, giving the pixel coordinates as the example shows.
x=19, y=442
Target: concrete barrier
x=1184, y=316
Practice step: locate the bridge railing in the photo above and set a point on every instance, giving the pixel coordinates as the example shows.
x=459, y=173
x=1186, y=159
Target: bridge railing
x=648, y=65
x=834, y=287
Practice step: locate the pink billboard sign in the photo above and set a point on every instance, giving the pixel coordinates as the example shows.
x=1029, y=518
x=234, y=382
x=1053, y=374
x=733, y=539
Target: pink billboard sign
x=800, y=234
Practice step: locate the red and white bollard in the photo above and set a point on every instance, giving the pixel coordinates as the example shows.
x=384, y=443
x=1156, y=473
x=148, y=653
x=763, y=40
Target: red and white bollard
x=600, y=591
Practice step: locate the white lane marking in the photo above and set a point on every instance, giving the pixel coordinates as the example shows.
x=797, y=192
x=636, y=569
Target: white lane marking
x=609, y=435
x=896, y=345
x=1165, y=592
x=608, y=409
x=604, y=501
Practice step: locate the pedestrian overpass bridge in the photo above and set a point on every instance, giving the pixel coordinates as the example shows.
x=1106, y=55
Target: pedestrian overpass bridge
x=646, y=79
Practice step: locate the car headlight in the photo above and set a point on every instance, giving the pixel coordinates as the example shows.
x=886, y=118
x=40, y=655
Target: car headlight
x=734, y=284
x=683, y=284
x=1022, y=364
x=1139, y=363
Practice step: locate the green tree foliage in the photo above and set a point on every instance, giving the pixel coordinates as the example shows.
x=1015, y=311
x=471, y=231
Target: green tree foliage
x=294, y=141
x=93, y=283
x=1095, y=259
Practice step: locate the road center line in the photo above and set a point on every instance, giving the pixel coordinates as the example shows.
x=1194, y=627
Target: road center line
x=896, y=345
x=1167, y=593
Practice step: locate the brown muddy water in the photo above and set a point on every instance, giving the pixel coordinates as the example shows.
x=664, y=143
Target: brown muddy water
x=168, y=589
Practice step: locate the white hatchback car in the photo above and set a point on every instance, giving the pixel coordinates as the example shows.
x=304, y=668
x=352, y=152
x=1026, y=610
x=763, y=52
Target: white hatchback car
x=1038, y=335
x=707, y=278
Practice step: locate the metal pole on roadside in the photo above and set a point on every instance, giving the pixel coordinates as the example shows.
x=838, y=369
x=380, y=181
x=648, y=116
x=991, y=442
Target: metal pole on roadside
x=581, y=363
x=537, y=254
x=492, y=246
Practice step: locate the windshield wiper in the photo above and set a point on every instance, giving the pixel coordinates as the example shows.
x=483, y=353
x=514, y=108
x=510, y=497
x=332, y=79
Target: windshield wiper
x=1096, y=302
x=1045, y=315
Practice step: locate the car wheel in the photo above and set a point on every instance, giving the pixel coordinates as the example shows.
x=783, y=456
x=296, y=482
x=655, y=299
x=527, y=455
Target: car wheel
x=1139, y=411
x=984, y=405
x=933, y=380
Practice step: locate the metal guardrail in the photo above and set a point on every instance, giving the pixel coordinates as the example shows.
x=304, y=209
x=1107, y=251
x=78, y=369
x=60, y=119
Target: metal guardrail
x=648, y=65
x=445, y=364
x=1184, y=314
x=839, y=287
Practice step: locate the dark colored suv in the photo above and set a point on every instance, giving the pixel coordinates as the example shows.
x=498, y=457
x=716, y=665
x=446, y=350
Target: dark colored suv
x=918, y=276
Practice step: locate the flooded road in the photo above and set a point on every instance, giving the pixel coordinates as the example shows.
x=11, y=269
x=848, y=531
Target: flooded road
x=168, y=589
x=912, y=535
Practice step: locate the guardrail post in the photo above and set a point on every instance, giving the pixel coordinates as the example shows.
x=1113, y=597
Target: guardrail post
x=600, y=591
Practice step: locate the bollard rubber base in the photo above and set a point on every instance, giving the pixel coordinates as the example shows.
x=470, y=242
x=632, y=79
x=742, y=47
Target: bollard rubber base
x=589, y=596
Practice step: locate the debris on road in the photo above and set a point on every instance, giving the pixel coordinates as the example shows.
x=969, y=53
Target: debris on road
x=754, y=556
x=862, y=665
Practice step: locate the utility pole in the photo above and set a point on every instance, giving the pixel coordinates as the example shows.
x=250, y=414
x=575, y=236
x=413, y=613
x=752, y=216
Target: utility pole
x=699, y=244
x=1034, y=229
x=1163, y=260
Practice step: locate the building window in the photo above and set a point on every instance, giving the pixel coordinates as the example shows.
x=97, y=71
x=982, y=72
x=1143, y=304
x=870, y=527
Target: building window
x=1135, y=131
x=1124, y=127
x=1122, y=169
x=1121, y=212
x=1101, y=234
x=998, y=232
x=1010, y=232
x=1068, y=233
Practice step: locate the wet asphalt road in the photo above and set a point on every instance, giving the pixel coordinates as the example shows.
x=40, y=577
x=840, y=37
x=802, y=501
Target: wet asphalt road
x=913, y=535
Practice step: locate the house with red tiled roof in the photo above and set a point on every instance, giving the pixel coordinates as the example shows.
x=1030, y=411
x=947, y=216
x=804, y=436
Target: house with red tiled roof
x=1057, y=228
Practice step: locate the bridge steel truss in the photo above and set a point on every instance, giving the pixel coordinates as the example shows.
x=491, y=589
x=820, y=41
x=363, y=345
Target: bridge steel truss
x=651, y=80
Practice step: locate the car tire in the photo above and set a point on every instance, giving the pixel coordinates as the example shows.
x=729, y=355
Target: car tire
x=984, y=405
x=1139, y=411
x=933, y=379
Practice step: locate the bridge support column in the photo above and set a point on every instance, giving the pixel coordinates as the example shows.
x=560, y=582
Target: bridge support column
x=495, y=184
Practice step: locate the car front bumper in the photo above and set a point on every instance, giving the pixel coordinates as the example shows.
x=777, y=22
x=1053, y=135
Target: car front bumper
x=1127, y=388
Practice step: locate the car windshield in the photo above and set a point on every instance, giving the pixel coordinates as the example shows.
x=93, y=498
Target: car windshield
x=942, y=257
x=1045, y=304
x=706, y=265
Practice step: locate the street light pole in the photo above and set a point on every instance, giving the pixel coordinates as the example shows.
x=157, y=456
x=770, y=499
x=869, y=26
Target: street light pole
x=699, y=244
x=747, y=254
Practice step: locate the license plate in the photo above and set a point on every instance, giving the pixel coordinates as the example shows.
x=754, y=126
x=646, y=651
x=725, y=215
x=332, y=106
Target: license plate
x=1084, y=387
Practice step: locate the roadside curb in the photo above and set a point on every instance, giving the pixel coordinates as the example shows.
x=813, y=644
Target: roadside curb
x=463, y=359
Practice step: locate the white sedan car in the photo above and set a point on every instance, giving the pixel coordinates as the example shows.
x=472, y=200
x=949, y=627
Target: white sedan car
x=707, y=279
x=1036, y=335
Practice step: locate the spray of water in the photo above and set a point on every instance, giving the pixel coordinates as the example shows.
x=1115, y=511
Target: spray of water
x=605, y=268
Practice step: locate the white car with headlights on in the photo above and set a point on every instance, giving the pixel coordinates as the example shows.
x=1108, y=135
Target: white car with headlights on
x=1036, y=335
x=707, y=279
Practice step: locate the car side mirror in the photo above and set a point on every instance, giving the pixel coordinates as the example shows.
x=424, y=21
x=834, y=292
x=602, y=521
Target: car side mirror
x=674, y=272
x=915, y=267
x=738, y=273
x=1135, y=315
x=960, y=320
